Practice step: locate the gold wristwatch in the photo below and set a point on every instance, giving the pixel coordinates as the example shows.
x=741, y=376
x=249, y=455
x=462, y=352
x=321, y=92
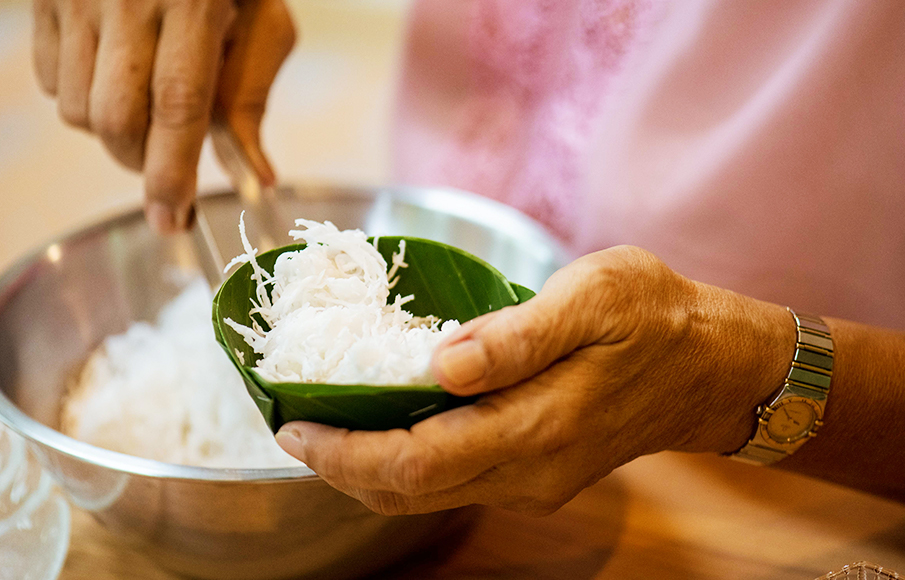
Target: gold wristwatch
x=795, y=412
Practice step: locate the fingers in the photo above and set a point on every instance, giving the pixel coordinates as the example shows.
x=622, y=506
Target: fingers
x=120, y=94
x=438, y=453
x=396, y=504
x=494, y=488
x=536, y=488
x=78, y=46
x=185, y=72
x=142, y=75
x=394, y=460
x=502, y=348
x=46, y=49
x=253, y=57
x=507, y=451
x=529, y=448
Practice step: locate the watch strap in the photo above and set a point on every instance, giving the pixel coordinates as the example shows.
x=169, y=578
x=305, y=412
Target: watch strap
x=809, y=378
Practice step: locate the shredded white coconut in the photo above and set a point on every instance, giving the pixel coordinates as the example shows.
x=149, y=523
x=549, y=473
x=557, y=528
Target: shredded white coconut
x=328, y=316
x=167, y=391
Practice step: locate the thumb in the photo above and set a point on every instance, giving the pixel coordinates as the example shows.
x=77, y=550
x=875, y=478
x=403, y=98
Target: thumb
x=262, y=37
x=508, y=346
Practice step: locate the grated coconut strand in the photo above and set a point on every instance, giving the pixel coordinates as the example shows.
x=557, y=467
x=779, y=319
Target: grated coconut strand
x=328, y=314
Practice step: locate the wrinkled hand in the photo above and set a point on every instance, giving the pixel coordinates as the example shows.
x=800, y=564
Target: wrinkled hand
x=145, y=76
x=616, y=357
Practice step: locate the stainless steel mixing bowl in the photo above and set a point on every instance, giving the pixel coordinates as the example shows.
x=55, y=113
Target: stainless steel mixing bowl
x=59, y=303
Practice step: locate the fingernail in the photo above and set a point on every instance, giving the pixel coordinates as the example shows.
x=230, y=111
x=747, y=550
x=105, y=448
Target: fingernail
x=166, y=219
x=290, y=434
x=464, y=362
x=292, y=442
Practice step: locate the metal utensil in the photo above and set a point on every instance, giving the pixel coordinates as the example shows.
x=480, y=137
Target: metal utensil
x=259, y=202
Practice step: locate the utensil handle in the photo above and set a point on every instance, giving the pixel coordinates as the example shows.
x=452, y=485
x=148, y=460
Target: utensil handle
x=257, y=200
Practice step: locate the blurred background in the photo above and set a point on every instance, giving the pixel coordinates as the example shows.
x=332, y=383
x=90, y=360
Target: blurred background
x=327, y=121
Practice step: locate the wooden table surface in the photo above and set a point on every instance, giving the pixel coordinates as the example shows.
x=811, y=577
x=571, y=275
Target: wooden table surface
x=669, y=516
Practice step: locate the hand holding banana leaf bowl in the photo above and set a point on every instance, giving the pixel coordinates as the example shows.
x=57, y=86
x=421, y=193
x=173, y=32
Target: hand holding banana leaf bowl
x=339, y=329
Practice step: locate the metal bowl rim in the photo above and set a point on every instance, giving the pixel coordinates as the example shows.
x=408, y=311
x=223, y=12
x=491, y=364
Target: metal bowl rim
x=425, y=197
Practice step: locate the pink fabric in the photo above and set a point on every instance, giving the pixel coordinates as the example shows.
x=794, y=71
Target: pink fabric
x=501, y=96
x=758, y=145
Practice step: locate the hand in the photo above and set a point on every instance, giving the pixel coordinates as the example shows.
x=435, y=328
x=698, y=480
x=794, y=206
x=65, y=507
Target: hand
x=616, y=357
x=145, y=76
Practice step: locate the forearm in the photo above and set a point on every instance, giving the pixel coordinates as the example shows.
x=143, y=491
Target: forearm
x=747, y=346
x=862, y=442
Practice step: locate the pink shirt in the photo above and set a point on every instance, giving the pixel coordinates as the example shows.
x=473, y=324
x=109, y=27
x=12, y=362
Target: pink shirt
x=758, y=145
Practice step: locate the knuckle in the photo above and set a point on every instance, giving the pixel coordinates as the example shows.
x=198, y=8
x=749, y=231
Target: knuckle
x=596, y=270
x=218, y=14
x=330, y=466
x=169, y=184
x=633, y=262
x=178, y=102
x=520, y=340
x=390, y=504
x=383, y=503
x=412, y=474
x=283, y=33
x=605, y=286
x=121, y=6
x=73, y=113
x=74, y=8
x=119, y=129
x=43, y=8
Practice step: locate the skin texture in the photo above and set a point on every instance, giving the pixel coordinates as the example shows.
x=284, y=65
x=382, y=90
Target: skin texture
x=615, y=358
x=146, y=79
x=861, y=443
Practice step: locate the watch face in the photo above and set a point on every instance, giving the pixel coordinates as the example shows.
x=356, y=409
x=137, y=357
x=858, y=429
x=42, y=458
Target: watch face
x=791, y=421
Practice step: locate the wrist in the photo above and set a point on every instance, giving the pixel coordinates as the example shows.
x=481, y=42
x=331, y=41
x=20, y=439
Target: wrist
x=795, y=412
x=746, y=347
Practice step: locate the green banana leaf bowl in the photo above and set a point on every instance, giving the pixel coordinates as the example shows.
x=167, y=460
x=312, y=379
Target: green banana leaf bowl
x=445, y=281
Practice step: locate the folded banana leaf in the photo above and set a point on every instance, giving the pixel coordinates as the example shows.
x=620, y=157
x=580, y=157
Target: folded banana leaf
x=445, y=281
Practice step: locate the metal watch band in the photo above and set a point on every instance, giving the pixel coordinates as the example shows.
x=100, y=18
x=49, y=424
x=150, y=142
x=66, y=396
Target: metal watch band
x=808, y=382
